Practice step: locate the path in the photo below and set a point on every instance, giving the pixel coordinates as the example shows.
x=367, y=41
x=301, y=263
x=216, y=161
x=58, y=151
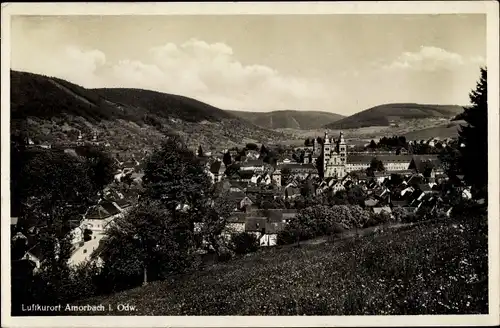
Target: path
x=352, y=233
x=83, y=253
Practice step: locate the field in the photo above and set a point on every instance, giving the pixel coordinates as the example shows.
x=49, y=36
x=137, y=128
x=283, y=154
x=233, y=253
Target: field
x=438, y=268
x=412, y=129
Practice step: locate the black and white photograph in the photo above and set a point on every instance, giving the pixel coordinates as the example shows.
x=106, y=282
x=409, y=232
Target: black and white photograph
x=295, y=163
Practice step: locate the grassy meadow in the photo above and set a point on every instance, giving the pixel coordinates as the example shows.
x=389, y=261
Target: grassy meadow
x=432, y=268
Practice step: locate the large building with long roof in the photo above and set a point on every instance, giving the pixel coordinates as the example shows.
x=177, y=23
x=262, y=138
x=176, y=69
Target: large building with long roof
x=338, y=163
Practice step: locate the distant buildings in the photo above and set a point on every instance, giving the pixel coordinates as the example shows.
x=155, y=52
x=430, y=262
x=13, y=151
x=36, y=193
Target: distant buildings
x=338, y=163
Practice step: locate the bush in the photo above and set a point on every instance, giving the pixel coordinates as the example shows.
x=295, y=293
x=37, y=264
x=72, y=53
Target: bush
x=411, y=218
x=320, y=220
x=378, y=219
x=224, y=256
x=244, y=243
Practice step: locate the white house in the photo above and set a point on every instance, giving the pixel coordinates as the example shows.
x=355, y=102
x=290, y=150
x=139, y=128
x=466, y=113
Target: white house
x=100, y=216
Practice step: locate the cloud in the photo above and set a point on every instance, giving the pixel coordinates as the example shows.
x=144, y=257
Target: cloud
x=212, y=72
x=431, y=59
x=71, y=63
x=208, y=72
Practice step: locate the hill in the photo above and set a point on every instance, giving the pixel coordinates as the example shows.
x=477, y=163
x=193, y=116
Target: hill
x=450, y=130
x=383, y=115
x=289, y=119
x=54, y=110
x=399, y=272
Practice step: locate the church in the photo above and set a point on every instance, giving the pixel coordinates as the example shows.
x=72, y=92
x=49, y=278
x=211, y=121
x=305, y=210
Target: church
x=338, y=163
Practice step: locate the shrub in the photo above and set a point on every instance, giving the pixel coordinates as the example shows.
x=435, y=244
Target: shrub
x=224, y=256
x=378, y=219
x=320, y=220
x=411, y=218
x=244, y=243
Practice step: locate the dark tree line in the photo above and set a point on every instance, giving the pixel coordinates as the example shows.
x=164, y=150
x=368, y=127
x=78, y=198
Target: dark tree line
x=471, y=160
x=50, y=189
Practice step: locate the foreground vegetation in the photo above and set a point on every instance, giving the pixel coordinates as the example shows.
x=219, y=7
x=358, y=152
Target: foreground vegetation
x=427, y=269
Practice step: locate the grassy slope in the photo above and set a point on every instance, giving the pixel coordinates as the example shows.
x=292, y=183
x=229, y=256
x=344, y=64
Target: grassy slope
x=381, y=115
x=450, y=130
x=289, y=119
x=130, y=119
x=427, y=269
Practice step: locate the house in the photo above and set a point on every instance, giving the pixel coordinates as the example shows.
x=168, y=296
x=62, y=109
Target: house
x=261, y=179
x=337, y=186
x=235, y=224
x=415, y=180
x=13, y=224
x=256, y=226
x=300, y=170
x=426, y=189
x=292, y=192
x=407, y=191
x=245, y=175
x=399, y=203
x=380, y=177
x=99, y=216
x=379, y=210
x=77, y=232
x=270, y=236
x=123, y=204
x=254, y=165
x=236, y=197
x=217, y=170
x=371, y=202
x=277, y=215
x=466, y=193
x=246, y=202
x=35, y=256
x=276, y=177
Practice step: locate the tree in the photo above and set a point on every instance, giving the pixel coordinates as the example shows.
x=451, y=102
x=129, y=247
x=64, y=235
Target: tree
x=50, y=188
x=356, y=195
x=251, y=146
x=377, y=165
x=244, y=242
x=263, y=151
x=200, y=152
x=175, y=177
x=214, y=216
x=450, y=159
x=396, y=179
x=319, y=165
x=339, y=198
x=232, y=170
x=227, y=159
x=307, y=142
x=373, y=144
x=149, y=241
x=301, y=157
x=474, y=135
x=102, y=165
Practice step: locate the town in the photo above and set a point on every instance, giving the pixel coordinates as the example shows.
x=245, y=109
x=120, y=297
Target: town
x=267, y=194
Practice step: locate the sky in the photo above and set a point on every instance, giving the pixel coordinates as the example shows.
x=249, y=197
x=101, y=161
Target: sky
x=335, y=63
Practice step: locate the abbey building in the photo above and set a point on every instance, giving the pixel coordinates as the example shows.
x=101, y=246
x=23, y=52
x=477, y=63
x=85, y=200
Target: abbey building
x=337, y=162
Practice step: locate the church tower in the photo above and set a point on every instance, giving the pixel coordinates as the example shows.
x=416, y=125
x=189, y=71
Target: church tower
x=327, y=150
x=335, y=162
x=79, y=141
x=342, y=148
